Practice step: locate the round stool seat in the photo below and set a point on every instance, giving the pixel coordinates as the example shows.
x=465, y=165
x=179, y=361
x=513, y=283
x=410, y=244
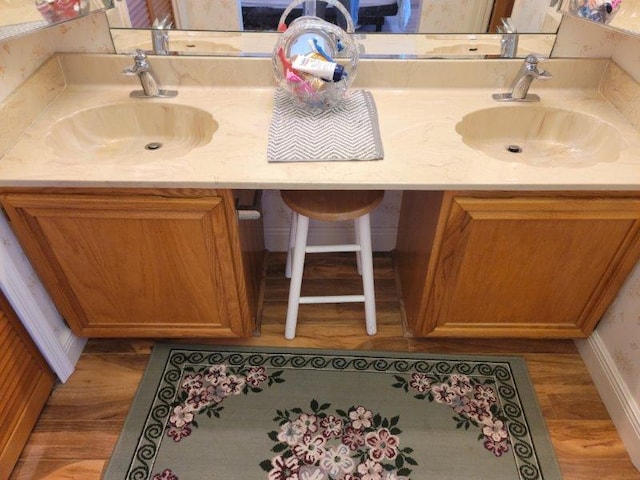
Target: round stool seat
x=332, y=205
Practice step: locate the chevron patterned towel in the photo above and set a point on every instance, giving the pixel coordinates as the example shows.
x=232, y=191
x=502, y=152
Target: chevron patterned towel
x=348, y=131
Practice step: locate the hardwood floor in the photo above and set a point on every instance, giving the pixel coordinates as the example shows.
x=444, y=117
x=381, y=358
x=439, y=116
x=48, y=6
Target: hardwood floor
x=80, y=424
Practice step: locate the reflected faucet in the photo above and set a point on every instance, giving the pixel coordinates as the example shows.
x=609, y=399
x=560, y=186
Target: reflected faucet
x=141, y=68
x=518, y=91
x=160, y=36
x=509, y=39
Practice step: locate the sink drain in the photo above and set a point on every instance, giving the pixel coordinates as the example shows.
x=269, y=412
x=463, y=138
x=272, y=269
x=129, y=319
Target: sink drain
x=514, y=148
x=153, y=146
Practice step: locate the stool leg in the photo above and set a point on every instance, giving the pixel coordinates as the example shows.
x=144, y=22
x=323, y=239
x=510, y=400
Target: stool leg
x=366, y=258
x=292, y=237
x=297, y=268
x=358, y=253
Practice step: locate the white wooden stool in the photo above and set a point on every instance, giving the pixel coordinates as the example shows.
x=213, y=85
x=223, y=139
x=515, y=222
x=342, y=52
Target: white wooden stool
x=330, y=206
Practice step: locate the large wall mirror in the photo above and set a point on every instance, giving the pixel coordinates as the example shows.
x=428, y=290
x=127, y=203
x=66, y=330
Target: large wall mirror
x=410, y=28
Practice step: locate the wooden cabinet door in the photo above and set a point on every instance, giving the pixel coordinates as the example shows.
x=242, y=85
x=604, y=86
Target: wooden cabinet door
x=133, y=266
x=25, y=382
x=527, y=266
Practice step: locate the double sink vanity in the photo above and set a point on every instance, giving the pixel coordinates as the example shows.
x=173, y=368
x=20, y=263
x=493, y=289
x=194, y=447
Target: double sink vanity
x=517, y=219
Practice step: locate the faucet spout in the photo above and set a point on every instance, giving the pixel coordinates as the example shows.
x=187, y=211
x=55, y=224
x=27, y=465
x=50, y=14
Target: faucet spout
x=509, y=39
x=141, y=68
x=160, y=35
x=519, y=89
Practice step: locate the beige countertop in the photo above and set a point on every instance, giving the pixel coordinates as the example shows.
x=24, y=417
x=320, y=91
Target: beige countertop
x=419, y=104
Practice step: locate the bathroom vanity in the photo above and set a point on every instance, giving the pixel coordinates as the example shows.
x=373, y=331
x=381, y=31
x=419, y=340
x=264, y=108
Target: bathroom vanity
x=491, y=242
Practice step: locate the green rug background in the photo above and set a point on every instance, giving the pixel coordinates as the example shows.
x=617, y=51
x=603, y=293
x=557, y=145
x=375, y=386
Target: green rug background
x=233, y=445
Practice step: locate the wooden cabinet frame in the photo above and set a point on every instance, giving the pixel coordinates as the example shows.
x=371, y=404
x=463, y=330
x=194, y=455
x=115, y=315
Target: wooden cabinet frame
x=140, y=263
x=530, y=264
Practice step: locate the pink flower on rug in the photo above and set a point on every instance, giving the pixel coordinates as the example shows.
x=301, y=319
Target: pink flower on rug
x=284, y=468
x=309, y=422
x=382, y=445
x=167, y=474
x=485, y=393
x=181, y=416
x=460, y=403
x=311, y=449
x=256, y=375
x=353, y=438
x=370, y=470
x=198, y=398
x=494, y=429
x=235, y=384
x=420, y=382
x=479, y=411
x=360, y=418
x=337, y=461
x=216, y=373
x=497, y=448
x=332, y=426
x=443, y=393
x=179, y=433
x=191, y=382
x=461, y=384
x=291, y=433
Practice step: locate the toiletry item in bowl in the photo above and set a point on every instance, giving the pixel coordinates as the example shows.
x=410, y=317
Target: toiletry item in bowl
x=331, y=71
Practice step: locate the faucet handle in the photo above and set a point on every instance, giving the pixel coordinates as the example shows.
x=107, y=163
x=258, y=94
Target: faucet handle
x=140, y=55
x=534, y=58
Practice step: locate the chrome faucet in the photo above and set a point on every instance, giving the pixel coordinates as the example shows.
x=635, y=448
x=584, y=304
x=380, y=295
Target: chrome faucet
x=141, y=68
x=160, y=36
x=509, y=39
x=518, y=91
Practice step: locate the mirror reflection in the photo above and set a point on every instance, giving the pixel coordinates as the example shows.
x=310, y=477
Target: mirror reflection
x=21, y=16
x=621, y=15
x=410, y=28
x=388, y=16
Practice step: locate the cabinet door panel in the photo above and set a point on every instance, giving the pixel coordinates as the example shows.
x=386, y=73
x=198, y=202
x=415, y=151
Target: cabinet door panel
x=134, y=266
x=536, y=267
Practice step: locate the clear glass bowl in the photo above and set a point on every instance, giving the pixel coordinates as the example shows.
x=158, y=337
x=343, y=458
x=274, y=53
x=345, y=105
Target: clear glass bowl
x=296, y=39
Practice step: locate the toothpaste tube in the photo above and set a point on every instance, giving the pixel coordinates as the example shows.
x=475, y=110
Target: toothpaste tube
x=330, y=71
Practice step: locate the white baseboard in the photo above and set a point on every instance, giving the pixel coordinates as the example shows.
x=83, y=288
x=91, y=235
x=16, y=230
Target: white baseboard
x=619, y=400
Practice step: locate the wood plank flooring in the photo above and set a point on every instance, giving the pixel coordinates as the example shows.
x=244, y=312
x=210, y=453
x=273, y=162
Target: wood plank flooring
x=80, y=424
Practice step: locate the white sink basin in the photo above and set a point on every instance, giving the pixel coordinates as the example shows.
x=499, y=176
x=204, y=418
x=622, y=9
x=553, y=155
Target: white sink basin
x=539, y=135
x=142, y=127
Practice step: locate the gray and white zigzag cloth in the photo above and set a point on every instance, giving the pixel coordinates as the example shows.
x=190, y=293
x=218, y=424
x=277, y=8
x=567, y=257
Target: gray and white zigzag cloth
x=348, y=131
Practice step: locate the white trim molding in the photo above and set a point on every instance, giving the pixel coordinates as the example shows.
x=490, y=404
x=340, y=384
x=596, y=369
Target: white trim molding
x=620, y=402
x=58, y=345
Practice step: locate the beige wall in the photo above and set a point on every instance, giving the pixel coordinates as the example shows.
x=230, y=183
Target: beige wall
x=20, y=56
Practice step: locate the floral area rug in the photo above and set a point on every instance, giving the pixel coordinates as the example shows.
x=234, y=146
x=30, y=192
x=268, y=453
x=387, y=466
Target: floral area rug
x=232, y=413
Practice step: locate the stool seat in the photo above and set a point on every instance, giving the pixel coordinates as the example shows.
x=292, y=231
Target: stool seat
x=330, y=206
